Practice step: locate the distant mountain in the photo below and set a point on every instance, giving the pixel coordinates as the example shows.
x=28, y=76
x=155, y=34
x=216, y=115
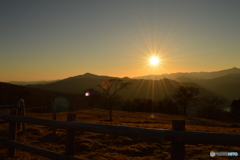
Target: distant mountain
x=193, y=75
x=23, y=83
x=77, y=84
x=173, y=76
x=89, y=75
x=216, y=74
x=139, y=89
x=228, y=85
x=224, y=83
x=157, y=89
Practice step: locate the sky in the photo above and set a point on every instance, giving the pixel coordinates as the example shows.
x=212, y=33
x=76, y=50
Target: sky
x=49, y=40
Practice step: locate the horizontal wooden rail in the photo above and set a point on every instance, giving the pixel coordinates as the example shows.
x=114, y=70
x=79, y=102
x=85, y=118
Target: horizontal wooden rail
x=8, y=106
x=20, y=105
x=165, y=135
x=4, y=122
x=38, y=151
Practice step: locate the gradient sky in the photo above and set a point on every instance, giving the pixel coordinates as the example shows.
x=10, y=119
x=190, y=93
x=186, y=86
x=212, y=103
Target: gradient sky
x=48, y=40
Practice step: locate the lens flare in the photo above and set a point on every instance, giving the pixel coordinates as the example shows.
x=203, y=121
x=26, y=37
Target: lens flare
x=106, y=84
x=87, y=94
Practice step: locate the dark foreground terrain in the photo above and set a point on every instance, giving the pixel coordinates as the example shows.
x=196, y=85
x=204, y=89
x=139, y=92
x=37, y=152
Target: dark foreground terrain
x=96, y=146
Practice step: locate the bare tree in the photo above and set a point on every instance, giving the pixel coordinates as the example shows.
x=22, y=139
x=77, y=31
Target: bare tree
x=184, y=95
x=110, y=90
x=209, y=105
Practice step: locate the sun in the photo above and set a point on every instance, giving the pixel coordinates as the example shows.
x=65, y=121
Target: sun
x=154, y=60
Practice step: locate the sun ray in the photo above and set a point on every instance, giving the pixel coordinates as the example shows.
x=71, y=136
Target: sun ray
x=155, y=53
x=154, y=60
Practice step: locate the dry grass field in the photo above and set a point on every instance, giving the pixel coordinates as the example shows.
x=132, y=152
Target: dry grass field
x=94, y=146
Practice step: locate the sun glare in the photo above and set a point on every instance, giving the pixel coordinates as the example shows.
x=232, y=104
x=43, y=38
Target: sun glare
x=154, y=60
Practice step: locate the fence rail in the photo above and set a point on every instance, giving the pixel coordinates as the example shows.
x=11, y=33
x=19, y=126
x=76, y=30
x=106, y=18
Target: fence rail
x=177, y=136
x=7, y=106
x=165, y=135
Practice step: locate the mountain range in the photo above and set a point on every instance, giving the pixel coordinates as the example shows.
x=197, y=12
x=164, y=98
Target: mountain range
x=193, y=75
x=225, y=83
x=23, y=83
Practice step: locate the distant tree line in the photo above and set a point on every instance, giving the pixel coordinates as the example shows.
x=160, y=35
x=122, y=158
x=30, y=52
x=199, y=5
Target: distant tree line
x=178, y=103
x=184, y=101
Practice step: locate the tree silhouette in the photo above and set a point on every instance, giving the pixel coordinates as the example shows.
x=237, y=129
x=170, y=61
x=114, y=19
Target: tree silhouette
x=110, y=90
x=235, y=109
x=184, y=95
x=208, y=106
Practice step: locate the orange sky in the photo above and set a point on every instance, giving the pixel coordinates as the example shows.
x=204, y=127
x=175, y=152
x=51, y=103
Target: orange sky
x=48, y=40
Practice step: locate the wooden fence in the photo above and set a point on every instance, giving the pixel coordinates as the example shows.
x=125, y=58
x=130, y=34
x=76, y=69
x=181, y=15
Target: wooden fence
x=20, y=106
x=177, y=136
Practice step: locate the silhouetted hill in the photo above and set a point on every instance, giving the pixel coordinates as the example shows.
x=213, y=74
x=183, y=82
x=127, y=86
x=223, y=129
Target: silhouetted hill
x=23, y=83
x=139, y=89
x=194, y=75
x=184, y=79
x=76, y=84
x=89, y=75
x=173, y=76
x=33, y=97
x=227, y=86
x=225, y=83
x=215, y=74
x=157, y=89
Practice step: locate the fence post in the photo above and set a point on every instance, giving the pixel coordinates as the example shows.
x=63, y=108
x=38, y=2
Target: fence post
x=23, y=114
x=19, y=108
x=177, y=146
x=70, y=136
x=12, y=134
x=54, y=115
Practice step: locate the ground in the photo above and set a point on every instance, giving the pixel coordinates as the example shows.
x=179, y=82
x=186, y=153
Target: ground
x=95, y=146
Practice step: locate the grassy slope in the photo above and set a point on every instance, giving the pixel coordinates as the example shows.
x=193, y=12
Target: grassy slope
x=101, y=147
